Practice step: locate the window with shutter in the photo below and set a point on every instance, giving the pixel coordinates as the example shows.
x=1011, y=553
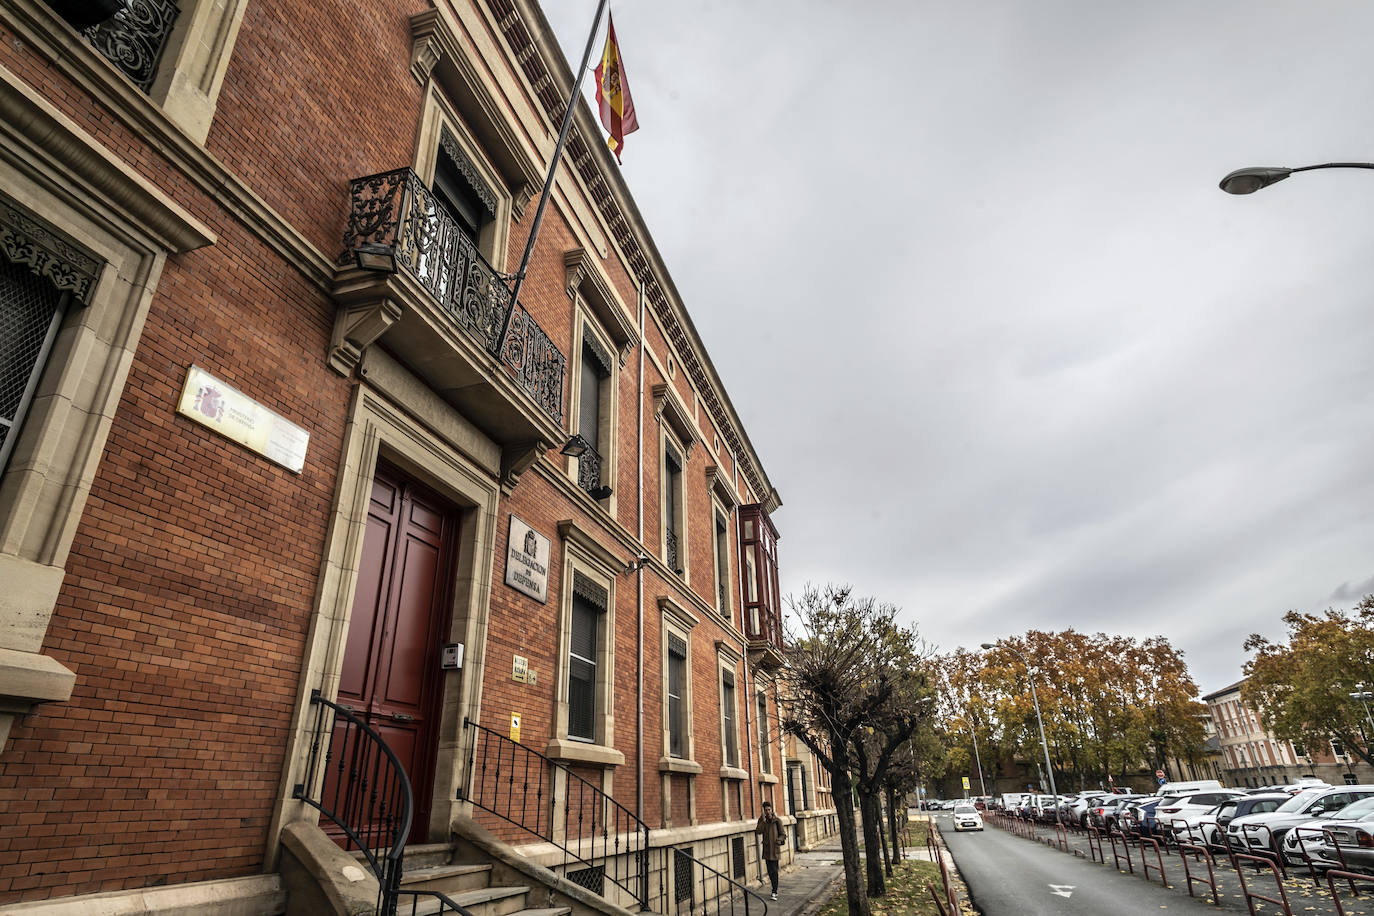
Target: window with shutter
x=582, y=663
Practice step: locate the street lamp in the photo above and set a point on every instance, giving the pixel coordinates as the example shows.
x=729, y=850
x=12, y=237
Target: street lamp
x=979, y=761
x=1049, y=770
x=1364, y=696
x=1249, y=180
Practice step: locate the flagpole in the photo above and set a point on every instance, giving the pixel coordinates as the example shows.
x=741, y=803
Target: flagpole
x=548, y=180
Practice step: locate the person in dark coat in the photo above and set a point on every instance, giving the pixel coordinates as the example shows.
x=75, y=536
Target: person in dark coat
x=774, y=835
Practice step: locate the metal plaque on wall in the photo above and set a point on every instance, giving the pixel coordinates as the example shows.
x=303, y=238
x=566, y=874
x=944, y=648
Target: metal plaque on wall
x=527, y=561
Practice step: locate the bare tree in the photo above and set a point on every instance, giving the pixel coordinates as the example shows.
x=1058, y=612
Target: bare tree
x=843, y=669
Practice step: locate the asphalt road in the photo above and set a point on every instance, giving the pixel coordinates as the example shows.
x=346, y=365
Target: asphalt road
x=1008, y=876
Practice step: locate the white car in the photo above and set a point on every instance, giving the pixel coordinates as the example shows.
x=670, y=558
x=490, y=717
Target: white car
x=966, y=817
x=1183, y=813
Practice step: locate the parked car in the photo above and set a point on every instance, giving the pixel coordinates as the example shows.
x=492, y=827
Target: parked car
x=1183, y=812
x=1356, y=839
x=1138, y=815
x=1108, y=810
x=1306, y=840
x=1266, y=831
x=966, y=817
x=1086, y=800
x=1212, y=825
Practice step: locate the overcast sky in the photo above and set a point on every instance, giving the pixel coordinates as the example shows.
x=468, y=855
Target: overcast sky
x=1008, y=354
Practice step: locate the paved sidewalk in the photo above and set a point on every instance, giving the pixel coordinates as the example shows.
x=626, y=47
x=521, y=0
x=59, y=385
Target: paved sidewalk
x=808, y=882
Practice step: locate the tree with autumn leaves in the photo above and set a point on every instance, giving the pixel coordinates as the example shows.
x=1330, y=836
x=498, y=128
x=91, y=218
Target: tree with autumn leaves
x=1110, y=704
x=1301, y=689
x=855, y=689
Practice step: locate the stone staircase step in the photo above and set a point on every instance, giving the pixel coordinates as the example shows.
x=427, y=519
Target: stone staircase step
x=423, y=855
x=493, y=901
x=448, y=879
x=545, y=911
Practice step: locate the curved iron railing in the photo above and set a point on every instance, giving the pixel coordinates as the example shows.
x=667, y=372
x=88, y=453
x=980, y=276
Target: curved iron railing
x=362, y=788
x=595, y=832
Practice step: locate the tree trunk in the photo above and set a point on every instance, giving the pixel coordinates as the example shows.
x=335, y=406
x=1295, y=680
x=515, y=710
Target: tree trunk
x=897, y=852
x=877, y=885
x=882, y=832
x=843, y=796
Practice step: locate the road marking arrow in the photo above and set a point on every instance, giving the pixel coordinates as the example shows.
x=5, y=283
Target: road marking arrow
x=1063, y=890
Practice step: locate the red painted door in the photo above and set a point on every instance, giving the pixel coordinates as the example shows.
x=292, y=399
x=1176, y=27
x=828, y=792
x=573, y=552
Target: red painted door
x=400, y=611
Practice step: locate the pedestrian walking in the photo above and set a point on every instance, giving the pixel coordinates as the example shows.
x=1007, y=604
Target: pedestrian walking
x=771, y=829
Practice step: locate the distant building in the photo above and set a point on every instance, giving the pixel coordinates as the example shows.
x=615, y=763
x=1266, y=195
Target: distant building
x=1253, y=757
x=279, y=457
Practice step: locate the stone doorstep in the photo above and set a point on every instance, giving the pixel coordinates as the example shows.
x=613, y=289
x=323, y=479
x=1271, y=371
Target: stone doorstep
x=447, y=879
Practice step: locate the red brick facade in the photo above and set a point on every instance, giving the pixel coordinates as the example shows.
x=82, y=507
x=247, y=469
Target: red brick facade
x=203, y=587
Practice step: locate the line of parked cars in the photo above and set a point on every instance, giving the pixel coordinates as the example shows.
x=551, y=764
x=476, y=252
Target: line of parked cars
x=1301, y=822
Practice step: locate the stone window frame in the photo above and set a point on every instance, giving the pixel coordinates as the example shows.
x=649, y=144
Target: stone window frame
x=677, y=620
x=50, y=166
x=190, y=74
x=672, y=440
x=722, y=566
x=586, y=330
x=442, y=127
x=728, y=660
x=764, y=730
x=584, y=556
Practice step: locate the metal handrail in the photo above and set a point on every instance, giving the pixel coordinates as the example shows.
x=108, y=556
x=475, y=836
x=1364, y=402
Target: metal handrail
x=370, y=799
x=500, y=782
x=716, y=906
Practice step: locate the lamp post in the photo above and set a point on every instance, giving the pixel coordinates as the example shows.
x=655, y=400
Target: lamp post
x=1364, y=696
x=979, y=761
x=1049, y=769
x=1249, y=180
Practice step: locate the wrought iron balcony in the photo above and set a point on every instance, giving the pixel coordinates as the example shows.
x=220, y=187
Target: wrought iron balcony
x=670, y=538
x=589, y=468
x=395, y=214
x=134, y=38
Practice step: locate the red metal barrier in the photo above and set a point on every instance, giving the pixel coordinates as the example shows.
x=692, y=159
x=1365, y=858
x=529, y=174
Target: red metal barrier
x=1116, y=856
x=1250, y=896
x=1095, y=846
x=1268, y=851
x=1199, y=852
x=1316, y=834
x=1347, y=876
x=1145, y=861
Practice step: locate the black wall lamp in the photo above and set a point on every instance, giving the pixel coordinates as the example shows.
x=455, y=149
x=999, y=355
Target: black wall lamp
x=576, y=447
x=375, y=256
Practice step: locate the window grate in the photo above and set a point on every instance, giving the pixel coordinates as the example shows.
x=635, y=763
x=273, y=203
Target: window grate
x=593, y=879
x=682, y=875
x=30, y=313
x=737, y=855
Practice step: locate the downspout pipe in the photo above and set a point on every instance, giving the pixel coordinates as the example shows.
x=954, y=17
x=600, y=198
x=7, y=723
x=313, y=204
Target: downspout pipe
x=639, y=584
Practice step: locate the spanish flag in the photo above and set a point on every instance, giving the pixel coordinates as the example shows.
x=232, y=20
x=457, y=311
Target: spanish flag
x=613, y=94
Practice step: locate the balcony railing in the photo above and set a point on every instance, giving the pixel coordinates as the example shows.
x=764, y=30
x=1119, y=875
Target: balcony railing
x=394, y=210
x=133, y=39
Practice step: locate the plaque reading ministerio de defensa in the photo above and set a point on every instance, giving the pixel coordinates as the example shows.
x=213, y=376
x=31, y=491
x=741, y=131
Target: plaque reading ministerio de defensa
x=234, y=415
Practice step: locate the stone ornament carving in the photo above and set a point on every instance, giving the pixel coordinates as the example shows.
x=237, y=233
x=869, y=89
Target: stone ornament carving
x=27, y=240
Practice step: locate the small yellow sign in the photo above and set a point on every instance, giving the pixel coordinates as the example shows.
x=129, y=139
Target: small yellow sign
x=515, y=726
x=965, y=783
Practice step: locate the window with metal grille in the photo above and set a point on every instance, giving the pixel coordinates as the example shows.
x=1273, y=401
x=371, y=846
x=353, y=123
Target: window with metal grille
x=672, y=516
x=582, y=654
x=765, y=751
x=737, y=855
x=31, y=310
x=682, y=875
x=677, y=696
x=723, y=565
x=593, y=879
x=727, y=702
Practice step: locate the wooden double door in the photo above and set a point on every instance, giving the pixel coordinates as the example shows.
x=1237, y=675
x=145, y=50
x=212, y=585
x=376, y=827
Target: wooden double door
x=401, y=610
